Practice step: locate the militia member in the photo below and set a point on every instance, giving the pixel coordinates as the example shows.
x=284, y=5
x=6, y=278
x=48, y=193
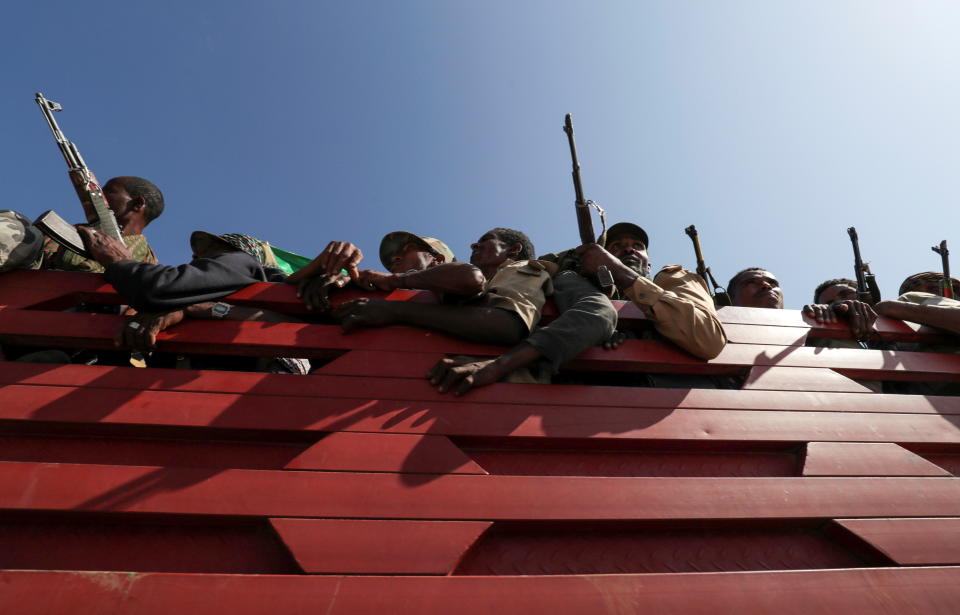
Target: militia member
x=836, y=300
x=21, y=242
x=755, y=287
x=497, y=298
x=920, y=301
x=676, y=301
x=135, y=203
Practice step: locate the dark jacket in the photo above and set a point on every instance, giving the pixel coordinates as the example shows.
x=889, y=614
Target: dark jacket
x=156, y=288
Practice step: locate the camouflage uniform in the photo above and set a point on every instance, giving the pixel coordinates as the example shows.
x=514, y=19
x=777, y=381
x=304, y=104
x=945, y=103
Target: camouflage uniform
x=56, y=256
x=20, y=242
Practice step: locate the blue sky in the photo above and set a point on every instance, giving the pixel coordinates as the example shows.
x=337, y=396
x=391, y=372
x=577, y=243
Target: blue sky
x=772, y=126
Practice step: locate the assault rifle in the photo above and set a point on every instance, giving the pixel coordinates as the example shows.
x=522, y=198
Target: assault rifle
x=583, y=205
x=868, y=290
x=946, y=285
x=720, y=296
x=85, y=183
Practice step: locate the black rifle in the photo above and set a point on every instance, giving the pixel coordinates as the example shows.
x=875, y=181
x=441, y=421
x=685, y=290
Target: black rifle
x=584, y=222
x=868, y=290
x=720, y=296
x=946, y=286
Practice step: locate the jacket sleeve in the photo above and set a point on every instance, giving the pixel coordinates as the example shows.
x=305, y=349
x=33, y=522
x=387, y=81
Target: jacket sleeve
x=160, y=287
x=679, y=304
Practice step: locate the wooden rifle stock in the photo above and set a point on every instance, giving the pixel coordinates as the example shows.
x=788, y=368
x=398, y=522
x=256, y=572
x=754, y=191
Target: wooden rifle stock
x=720, y=296
x=584, y=221
x=946, y=286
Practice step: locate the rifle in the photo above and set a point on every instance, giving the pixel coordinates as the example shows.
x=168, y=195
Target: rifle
x=583, y=205
x=720, y=296
x=947, y=285
x=85, y=183
x=868, y=290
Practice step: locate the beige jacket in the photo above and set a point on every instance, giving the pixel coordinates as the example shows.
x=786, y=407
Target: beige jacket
x=680, y=306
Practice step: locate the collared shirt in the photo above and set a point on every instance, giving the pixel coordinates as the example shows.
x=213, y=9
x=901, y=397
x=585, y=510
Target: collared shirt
x=679, y=304
x=521, y=287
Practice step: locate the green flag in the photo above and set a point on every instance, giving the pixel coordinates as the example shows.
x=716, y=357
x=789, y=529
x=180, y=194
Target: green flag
x=288, y=261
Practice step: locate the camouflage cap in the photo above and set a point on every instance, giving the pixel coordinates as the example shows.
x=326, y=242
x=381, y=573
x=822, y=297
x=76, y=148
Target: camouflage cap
x=201, y=241
x=394, y=242
x=926, y=279
x=20, y=242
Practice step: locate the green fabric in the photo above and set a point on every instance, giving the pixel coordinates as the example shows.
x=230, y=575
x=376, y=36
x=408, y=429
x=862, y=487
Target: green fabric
x=288, y=261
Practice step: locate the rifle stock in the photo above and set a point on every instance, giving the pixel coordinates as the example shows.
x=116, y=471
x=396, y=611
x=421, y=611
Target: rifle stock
x=946, y=285
x=719, y=294
x=584, y=221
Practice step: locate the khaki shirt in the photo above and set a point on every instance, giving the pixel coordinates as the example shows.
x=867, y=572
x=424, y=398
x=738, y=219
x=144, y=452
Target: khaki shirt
x=522, y=287
x=928, y=299
x=56, y=256
x=679, y=304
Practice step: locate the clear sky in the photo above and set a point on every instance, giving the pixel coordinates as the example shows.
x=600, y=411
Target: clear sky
x=772, y=126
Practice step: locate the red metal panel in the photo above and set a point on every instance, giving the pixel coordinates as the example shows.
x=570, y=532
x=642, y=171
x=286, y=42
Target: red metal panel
x=528, y=549
x=230, y=411
x=773, y=336
x=636, y=355
x=911, y=542
x=16, y=298
x=636, y=463
x=64, y=281
x=654, y=356
x=383, y=452
x=378, y=388
x=378, y=547
x=801, y=379
x=205, y=453
x=61, y=487
x=114, y=543
x=930, y=591
x=865, y=459
x=948, y=461
x=255, y=338
x=224, y=337
x=282, y=297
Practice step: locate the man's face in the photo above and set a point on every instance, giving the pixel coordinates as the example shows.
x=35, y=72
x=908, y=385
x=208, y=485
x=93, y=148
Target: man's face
x=120, y=202
x=837, y=292
x=933, y=287
x=759, y=289
x=631, y=251
x=413, y=257
x=489, y=251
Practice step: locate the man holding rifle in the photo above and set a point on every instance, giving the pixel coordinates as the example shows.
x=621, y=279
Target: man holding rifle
x=135, y=202
x=676, y=300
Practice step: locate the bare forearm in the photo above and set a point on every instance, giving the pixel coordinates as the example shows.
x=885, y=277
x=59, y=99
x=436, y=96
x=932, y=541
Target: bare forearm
x=941, y=317
x=474, y=323
x=452, y=278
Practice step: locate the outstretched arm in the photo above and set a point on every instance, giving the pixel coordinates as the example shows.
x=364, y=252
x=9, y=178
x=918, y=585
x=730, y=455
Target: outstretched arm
x=161, y=288
x=485, y=325
x=946, y=317
x=139, y=331
x=461, y=279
